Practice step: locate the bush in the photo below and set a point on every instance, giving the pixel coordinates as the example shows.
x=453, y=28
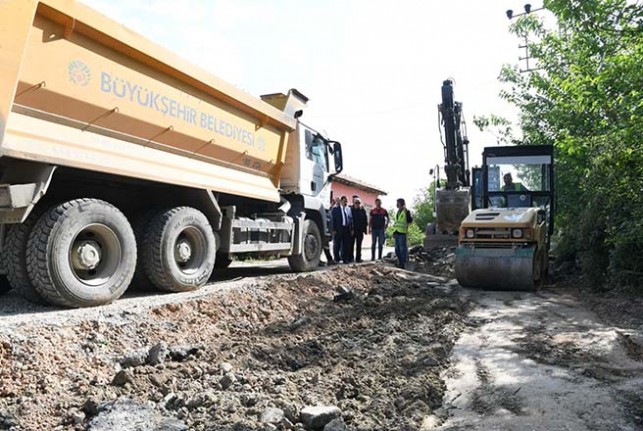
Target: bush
x=415, y=236
x=585, y=99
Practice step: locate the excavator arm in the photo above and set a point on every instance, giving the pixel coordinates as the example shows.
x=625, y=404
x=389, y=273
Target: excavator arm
x=455, y=142
x=453, y=201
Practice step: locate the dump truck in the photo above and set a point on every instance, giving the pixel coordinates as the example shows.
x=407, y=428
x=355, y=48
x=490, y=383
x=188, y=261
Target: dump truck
x=505, y=245
x=120, y=163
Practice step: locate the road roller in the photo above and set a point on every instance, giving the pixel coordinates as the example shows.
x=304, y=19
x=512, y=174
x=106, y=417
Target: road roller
x=505, y=244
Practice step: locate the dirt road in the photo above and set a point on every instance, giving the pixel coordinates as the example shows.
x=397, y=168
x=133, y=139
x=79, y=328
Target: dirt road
x=543, y=362
x=369, y=346
x=367, y=343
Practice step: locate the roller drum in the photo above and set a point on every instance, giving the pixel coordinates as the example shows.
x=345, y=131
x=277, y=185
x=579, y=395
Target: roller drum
x=497, y=268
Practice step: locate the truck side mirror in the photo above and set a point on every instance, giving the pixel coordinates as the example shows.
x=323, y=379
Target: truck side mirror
x=337, y=154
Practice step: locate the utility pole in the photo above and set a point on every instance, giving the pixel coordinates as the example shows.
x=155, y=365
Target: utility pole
x=525, y=46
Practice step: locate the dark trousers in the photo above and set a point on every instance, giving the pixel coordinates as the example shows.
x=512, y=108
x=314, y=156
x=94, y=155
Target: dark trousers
x=338, y=245
x=329, y=257
x=347, y=254
x=378, y=237
x=401, y=249
x=356, y=246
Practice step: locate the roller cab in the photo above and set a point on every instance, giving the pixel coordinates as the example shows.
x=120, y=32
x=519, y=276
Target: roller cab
x=505, y=245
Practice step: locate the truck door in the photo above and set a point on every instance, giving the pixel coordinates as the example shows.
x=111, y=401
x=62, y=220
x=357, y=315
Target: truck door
x=314, y=165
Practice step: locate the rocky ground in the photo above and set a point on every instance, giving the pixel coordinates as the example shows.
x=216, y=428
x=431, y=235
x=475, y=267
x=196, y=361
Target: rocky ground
x=357, y=347
x=352, y=347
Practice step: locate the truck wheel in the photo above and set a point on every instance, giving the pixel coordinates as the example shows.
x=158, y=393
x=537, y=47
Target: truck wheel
x=81, y=253
x=4, y=284
x=15, y=257
x=142, y=222
x=309, y=258
x=180, y=250
x=222, y=262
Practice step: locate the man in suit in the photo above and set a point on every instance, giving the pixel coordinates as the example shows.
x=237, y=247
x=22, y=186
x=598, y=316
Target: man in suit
x=342, y=221
x=360, y=225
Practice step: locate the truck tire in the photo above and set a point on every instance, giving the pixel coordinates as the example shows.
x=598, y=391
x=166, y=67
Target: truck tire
x=15, y=257
x=222, y=262
x=142, y=222
x=310, y=255
x=180, y=250
x=81, y=253
x=4, y=284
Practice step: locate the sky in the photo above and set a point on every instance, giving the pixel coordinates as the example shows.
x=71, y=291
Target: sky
x=372, y=69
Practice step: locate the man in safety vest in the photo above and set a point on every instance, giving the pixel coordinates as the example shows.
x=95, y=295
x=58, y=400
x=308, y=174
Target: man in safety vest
x=400, y=230
x=510, y=186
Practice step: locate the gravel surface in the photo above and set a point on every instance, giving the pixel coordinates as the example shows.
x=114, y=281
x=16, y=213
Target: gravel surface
x=351, y=347
x=15, y=311
x=357, y=347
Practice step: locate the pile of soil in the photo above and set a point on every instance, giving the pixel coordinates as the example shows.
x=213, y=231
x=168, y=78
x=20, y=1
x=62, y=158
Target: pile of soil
x=436, y=261
x=367, y=343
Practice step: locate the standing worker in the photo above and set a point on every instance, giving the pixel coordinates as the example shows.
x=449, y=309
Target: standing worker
x=377, y=224
x=400, y=230
x=360, y=226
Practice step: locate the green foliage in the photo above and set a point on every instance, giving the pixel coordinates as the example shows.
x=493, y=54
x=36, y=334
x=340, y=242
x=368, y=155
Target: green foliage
x=424, y=206
x=389, y=237
x=498, y=126
x=415, y=235
x=389, y=230
x=586, y=98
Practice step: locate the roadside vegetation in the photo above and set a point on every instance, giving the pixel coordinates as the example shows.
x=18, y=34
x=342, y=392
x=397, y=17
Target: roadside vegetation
x=584, y=95
x=587, y=101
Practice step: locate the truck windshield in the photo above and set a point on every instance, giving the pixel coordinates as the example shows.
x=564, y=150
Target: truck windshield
x=317, y=150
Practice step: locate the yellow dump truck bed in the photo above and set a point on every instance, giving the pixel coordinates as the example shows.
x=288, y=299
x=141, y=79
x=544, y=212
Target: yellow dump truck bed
x=78, y=89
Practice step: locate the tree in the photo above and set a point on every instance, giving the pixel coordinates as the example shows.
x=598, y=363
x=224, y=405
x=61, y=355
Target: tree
x=415, y=235
x=498, y=126
x=586, y=98
x=424, y=207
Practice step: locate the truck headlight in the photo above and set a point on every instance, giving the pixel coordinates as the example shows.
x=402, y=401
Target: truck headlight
x=471, y=233
x=516, y=233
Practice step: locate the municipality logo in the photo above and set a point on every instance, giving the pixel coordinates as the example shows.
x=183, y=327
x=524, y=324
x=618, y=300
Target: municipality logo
x=79, y=73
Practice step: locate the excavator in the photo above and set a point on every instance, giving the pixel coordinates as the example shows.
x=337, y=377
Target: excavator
x=452, y=202
x=502, y=228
